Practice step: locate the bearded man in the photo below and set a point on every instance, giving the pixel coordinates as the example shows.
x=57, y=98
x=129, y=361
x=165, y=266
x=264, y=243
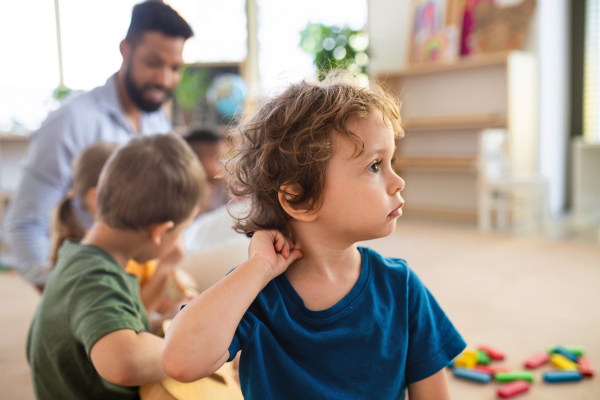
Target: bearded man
x=129, y=104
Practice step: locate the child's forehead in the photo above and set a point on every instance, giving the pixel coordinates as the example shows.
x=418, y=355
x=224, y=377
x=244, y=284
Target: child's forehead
x=372, y=136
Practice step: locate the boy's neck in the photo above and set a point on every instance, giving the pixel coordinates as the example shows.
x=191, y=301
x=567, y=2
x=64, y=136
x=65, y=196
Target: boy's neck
x=323, y=253
x=119, y=243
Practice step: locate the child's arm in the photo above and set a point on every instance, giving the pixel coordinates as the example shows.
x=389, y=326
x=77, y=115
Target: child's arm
x=434, y=387
x=127, y=358
x=153, y=292
x=197, y=342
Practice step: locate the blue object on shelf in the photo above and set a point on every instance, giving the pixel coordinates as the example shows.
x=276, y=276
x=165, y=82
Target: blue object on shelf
x=562, y=376
x=472, y=375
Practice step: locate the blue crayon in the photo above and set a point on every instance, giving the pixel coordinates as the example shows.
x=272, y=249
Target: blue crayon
x=477, y=376
x=562, y=376
x=569, y=354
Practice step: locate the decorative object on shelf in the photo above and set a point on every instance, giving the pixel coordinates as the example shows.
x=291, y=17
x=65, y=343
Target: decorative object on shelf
x=227, y=94
x=435, y=34
x=468, y=43
x=501, y=29
x=191, y=102
x=334, y=47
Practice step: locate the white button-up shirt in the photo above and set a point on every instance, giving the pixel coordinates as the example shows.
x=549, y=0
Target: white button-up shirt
x=95, y=116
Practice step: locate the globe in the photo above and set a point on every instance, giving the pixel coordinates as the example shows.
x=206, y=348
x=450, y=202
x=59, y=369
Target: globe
x=227, y=94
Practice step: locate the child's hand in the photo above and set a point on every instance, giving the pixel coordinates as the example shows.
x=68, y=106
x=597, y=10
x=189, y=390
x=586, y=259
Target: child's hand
x=275, y=251
x=175, y=256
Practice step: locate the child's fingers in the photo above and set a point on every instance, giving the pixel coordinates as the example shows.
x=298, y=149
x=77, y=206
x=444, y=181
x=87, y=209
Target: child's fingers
x=294, y=255
x=279, y=240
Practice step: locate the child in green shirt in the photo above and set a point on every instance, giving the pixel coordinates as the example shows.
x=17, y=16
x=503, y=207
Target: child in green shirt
x=89, y=337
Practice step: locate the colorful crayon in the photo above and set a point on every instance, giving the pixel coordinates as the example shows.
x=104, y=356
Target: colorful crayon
x=562, y=376
x=562, y=362
x=492, y=352
x=512, y=389
x=472, y=375
x=514, y=376
x=585, y=367
x=537, y=361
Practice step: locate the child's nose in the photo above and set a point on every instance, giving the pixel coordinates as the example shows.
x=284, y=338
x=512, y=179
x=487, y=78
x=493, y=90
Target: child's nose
x=397, y=184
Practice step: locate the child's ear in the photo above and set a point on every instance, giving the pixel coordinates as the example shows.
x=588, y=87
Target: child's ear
x=157, y=231
x=302, y=213
x=92, y=203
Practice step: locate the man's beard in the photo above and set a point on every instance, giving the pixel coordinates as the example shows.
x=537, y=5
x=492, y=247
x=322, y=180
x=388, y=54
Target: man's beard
x=137, y=94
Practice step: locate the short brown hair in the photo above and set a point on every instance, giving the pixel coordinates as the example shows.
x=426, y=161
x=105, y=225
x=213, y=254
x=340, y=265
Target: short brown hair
x=150, y=180
x=288, y=141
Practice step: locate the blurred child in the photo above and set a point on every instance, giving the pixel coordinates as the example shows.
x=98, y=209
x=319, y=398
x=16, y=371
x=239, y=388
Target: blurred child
x=317, y=317
x=67, y=225
x=89, y=337
x=209, y=145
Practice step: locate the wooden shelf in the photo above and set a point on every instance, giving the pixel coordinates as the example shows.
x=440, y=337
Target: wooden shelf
x=475, y=61
x=438, y=164
x=451, y=122
x=7, y=137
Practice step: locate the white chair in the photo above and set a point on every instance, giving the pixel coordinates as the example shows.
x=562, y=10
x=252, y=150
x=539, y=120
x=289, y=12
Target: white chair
x=510, y=196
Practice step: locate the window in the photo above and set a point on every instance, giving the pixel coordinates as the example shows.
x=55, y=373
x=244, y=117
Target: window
x=280, y=59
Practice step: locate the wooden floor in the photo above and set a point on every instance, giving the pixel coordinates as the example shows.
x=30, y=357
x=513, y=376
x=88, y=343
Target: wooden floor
x=516, y=294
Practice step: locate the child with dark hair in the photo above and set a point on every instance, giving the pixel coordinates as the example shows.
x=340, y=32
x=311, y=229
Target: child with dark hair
x=209, y=145
x=90, y=338
x=316, y=316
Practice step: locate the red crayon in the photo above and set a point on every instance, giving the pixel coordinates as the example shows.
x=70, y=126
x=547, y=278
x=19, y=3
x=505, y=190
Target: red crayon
x=537, y=360
x=492, y=352
x=585, y=367
x=512, y=389
x=491, y=370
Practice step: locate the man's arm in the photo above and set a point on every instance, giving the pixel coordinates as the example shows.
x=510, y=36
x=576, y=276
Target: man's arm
x=126, y=358
x=45, y=178
x=434, y=387
x=197, y=342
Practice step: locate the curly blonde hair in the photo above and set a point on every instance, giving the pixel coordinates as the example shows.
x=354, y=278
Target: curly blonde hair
x=288, y=141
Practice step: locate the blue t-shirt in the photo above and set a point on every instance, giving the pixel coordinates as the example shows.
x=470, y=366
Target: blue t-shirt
x=386, y=333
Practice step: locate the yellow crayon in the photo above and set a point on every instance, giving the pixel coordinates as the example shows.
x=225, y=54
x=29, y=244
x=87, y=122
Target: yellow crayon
x=467, y=360
x=562, y=362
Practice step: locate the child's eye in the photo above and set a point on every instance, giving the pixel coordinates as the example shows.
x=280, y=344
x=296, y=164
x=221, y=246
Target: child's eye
x=375, y=167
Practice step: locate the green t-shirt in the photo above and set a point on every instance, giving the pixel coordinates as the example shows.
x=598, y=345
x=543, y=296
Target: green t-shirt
x=87, y=297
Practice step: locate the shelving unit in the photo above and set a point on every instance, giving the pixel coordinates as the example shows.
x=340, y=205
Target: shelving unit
x=445, y=107
x=12, y=150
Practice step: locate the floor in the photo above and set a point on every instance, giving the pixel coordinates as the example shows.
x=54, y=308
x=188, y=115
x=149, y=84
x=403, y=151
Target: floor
x=519, y=294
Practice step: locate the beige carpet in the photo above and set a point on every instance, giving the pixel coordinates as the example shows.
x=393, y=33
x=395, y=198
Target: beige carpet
x=517, y=294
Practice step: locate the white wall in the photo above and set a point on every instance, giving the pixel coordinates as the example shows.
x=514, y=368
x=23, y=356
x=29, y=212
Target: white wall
x=553, y=56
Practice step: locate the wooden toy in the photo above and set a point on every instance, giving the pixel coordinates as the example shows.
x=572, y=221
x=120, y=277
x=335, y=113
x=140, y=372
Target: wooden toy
x=473, y=375
x=570, y=355
x=562, y=362
x=514, y=376
x=482, y=358
x=577, y=350
x=537, y=361
x=467, y=360
x=491, y=369
x=562, y=376
x=512, y=389
x=492, y=352
x=585, y=367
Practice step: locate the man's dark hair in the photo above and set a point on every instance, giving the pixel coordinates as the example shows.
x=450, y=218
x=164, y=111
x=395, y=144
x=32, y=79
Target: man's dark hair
x=156, y=16
x=203, y=135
